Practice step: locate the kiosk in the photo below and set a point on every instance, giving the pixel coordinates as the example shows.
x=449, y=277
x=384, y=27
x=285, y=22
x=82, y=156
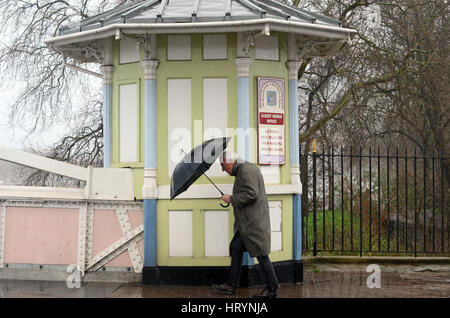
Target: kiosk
x=179, y=72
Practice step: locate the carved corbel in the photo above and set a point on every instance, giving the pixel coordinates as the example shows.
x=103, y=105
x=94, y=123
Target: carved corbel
x=304, y=49
x=311, y=48
x=92, y=51
x=147, y=44
x=245, y=41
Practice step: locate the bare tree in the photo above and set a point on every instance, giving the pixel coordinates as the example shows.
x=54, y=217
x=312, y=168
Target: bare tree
x=83, y=147
x=48, y=92
x=389, y=85
x=387, y=88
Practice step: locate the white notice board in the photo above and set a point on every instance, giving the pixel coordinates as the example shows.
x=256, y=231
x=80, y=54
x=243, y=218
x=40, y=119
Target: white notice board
x=271, y=121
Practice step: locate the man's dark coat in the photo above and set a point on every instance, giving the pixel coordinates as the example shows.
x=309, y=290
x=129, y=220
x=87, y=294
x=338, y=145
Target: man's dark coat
x=251, y=209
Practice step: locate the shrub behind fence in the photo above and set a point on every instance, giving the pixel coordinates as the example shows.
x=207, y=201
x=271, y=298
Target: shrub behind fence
x=376, y=204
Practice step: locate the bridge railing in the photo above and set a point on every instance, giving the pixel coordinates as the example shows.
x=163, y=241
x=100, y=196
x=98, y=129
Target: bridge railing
x=90, y=227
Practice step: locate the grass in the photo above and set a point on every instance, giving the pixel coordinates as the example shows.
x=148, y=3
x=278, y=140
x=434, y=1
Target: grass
x=345, y=239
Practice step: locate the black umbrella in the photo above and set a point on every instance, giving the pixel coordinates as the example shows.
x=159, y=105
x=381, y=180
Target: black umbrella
x=196, y=163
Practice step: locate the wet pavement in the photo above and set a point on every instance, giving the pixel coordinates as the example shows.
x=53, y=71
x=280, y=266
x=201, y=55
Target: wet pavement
x=47, y=289
x=320, y=281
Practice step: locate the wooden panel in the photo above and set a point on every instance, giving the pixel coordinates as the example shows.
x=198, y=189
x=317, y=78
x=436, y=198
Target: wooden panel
x=216, y=233
x=128, y=123
x=179, y=120
x=275, y=244
x=180, y=233
x=275, y=225
x=215, y=113
x=275, y=216
x=271, y=174
x=266, y=48
x=129, y=51
x=178, y=47
x=215, y=47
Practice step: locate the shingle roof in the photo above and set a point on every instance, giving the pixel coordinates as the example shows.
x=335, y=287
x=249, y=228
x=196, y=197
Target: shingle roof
x=186, y=11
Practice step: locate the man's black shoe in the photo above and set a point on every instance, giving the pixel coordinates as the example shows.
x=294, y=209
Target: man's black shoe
x=265, y=293
x=227, y=289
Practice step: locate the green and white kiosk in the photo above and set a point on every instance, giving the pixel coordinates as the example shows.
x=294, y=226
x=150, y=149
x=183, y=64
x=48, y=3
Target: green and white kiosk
x=178, y=72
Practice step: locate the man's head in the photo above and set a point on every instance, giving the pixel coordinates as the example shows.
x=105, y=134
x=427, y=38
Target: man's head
x=227, y=161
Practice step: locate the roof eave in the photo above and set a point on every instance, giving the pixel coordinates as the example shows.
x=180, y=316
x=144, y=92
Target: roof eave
x=309, y=29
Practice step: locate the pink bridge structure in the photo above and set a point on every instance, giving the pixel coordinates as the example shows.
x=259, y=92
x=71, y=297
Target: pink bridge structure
x=48, y=232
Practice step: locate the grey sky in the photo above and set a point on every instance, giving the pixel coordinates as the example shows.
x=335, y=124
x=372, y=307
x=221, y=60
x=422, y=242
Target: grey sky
x=15, y=138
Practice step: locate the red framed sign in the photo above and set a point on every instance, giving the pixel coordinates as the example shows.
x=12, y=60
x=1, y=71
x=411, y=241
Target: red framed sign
x=271, y=121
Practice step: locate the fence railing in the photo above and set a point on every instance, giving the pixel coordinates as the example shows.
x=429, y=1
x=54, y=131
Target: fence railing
x=376, y=204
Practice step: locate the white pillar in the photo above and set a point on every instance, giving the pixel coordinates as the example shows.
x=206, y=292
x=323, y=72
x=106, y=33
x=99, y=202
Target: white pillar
x=243, y=93
x=107, y=71
x=244, y=62
x=293, y=67
x=150, y=189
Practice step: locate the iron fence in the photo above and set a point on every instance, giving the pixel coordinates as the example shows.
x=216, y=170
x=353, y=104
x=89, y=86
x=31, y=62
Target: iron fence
x=376, y=204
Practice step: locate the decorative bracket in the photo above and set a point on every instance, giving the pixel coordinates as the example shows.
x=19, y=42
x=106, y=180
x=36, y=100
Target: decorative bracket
x=148, y=45
x=304, y=49
x=245, y=41
x=317, y=48
x=145, y=45
x=91, y=50
x=250, y=37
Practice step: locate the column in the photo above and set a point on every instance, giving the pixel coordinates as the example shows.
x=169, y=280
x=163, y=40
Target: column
x=107, y=71
x=150, y=188
x=294, y=158
x=243, y=92
x=243, y=137
x=293, y=67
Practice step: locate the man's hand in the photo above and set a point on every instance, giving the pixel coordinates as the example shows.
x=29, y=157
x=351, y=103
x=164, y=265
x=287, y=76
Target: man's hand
x=226, y=198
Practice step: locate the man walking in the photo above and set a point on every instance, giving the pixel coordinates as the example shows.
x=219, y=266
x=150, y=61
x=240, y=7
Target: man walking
x=252, y=224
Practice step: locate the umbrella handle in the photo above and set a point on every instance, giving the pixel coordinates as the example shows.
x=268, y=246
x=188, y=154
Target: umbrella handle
x=225, y=206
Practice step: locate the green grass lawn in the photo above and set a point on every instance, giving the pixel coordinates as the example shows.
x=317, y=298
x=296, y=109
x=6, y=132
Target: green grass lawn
x=343, y=242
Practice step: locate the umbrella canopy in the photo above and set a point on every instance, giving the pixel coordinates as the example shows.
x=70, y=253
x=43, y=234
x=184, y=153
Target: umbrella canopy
x=196, y=163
